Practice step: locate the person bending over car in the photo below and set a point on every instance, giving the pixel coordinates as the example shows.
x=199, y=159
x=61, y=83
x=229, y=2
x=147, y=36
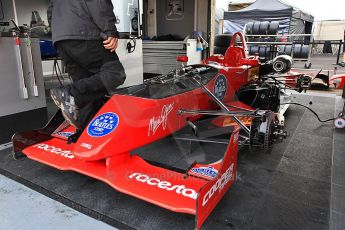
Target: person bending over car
x=86, y=38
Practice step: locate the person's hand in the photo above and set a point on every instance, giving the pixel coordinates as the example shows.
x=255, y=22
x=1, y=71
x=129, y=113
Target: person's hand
x=111, y=44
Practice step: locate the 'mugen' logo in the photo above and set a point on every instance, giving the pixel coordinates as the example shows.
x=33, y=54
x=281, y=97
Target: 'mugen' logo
x=52, y=149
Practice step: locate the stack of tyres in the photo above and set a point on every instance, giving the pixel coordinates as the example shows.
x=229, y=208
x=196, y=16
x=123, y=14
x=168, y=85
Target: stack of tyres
x=261, y=28
x=285, y=49
x=262, y=51
x=254, y=50
x=249, y=28
x=300, y=51
x=221, y=43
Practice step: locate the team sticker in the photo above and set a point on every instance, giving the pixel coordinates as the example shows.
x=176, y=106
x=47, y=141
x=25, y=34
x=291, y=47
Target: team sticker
x=206, y=171
x=103, y=125
x=220, y=87
x=64, y=134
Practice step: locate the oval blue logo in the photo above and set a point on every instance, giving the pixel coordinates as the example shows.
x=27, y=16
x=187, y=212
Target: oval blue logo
x=220, y=87
x=206, y=171
x=103, y=125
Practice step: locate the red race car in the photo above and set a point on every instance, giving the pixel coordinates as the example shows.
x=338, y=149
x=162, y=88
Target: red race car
x=207, y=109
x=338, y=81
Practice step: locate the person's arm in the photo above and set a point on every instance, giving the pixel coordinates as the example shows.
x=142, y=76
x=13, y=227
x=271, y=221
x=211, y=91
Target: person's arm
x=50, y=11
x=102, y=13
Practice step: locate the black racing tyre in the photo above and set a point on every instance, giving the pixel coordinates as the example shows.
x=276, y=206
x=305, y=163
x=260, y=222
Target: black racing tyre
x=268, y=51
x=260, y=39
x=280, y=49
x=273, y=28
x=250, y=47
x=222, y=40
x=262, y=51
x=265, y=39
x=254, y=50
x=249, y=28
x=256, y=28
x=281, y=65
x=219, y=50
x=271, y=39
x=250, y=39
x=305, y=51
x=297, y=51
x=264, y=27
x=278, y=39
x=255, y=39
x=288, y=50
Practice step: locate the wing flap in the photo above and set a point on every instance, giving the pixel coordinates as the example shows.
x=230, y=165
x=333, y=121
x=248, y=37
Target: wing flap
x=196, y=192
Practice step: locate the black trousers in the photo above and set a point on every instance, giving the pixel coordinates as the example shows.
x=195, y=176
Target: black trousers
x=95, y=71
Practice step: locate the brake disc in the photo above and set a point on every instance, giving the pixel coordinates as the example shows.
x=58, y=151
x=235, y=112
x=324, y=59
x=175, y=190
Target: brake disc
x=261, y=131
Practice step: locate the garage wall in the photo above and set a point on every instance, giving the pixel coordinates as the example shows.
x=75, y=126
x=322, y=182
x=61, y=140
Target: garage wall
x=181, y=27
x=151, y=14
x=24, y=11
x=25, y=8
x=202, y=16
x=9, y=13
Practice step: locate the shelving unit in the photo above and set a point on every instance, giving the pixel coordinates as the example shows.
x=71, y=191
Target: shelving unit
x=284, y=47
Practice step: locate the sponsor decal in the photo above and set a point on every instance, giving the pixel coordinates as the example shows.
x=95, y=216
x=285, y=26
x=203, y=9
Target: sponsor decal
x=220, y=87
x=103, y=124
x=87, y=146
x=161, y=120
x=55, y=150
x=219, y=185
x=165, y=185
x=64, y=134
x=206, y=171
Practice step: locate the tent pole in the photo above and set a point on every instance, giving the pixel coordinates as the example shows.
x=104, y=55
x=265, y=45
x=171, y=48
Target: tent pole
x=212, y=25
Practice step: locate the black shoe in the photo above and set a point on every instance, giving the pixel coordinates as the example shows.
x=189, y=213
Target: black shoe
x=71, y=114
x=66, y=102
x=61, y=95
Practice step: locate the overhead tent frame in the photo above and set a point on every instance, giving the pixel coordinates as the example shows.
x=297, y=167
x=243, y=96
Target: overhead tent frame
x=292, y=20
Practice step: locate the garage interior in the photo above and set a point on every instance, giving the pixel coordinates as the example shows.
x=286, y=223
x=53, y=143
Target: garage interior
x=299, y=185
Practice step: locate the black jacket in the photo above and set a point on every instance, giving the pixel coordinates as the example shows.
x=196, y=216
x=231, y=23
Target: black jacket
x=81, y=19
